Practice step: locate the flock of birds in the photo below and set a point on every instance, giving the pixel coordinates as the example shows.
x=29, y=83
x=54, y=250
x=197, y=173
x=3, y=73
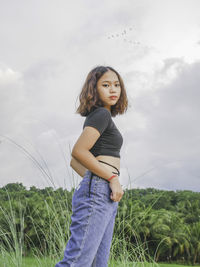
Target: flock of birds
x=125, y=37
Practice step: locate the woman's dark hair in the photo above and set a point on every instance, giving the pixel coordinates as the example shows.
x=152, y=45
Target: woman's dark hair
x=89, y=97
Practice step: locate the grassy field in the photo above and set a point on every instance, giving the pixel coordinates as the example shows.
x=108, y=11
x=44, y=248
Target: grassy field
x=47, y=262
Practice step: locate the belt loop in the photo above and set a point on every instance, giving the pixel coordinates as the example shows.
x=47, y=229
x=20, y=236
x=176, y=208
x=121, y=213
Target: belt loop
x=91, y=175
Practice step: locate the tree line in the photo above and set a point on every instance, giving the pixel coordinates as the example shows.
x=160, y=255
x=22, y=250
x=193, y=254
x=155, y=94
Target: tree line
x=158, y=224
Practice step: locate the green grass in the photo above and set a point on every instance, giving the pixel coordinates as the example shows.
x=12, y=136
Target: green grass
x=47, y=262
x=173, y=265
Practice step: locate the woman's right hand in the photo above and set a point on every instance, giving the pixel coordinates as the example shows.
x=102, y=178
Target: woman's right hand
x=117, y=191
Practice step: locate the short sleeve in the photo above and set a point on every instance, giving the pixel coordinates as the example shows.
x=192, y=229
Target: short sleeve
x=99, y=119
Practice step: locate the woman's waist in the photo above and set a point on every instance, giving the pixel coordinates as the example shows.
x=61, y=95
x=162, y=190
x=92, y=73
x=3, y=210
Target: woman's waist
x=110, y=162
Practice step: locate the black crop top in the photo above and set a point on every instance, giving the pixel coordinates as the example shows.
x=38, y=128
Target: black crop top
x=110, y=140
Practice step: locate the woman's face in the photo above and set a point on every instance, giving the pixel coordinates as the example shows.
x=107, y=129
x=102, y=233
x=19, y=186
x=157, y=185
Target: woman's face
x=108, y=85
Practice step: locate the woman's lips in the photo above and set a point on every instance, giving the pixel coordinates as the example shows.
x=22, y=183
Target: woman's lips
x=113, y=97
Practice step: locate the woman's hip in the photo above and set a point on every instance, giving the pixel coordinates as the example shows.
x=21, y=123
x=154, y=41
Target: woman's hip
x=93, y=191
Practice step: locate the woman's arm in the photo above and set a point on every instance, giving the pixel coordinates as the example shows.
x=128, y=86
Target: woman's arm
x=77, y=166
x=82, y=154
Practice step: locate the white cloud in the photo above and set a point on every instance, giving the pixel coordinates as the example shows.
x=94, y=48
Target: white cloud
x=172, y=130
x=46, y=53
x=9, y=76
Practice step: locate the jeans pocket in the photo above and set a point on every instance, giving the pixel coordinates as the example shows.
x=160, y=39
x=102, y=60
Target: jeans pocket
x=103, y=191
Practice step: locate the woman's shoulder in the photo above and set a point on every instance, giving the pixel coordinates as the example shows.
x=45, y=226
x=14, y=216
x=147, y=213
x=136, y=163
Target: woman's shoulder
x=99, y=118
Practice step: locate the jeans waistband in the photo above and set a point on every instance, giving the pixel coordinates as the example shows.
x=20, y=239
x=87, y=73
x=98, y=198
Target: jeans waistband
x=91, y=176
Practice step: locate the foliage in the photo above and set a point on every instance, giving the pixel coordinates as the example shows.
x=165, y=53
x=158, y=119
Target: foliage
x=151, y=224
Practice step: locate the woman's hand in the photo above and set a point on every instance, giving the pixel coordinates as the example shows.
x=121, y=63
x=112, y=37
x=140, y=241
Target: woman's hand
x=117, y=191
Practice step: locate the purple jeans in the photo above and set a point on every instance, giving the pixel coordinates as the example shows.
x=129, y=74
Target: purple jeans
x=92, y=224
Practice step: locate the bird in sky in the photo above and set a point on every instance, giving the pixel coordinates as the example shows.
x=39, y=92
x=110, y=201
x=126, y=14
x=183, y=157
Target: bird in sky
x=125, y=34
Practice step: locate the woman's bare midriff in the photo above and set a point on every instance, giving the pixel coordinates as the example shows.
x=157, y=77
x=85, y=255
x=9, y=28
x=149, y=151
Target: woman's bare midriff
x=111, y=160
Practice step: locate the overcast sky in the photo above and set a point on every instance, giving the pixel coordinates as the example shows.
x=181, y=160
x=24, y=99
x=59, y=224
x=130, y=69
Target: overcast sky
x=46, y=50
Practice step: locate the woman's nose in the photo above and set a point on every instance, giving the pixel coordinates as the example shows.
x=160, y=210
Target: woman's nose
x=112, y=88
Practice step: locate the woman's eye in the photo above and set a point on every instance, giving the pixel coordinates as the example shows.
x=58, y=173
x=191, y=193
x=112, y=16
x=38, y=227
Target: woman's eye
x=107, y=85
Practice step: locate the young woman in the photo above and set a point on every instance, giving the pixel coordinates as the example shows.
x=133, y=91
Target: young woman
x=96, y=157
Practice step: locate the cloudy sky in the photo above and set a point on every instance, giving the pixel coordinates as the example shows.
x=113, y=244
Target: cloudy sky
x=46, y=50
